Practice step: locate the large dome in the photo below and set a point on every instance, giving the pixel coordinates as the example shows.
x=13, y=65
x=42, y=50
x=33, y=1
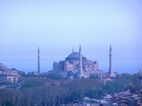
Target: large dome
x=74, y=56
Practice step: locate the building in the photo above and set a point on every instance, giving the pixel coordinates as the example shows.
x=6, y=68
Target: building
x=76, y=65
x=8, y=75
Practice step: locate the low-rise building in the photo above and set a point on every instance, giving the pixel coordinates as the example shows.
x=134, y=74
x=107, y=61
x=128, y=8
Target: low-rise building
x=8, y=75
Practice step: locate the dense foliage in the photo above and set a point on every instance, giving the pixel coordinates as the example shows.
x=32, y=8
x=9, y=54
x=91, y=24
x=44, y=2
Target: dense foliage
x=39, y=91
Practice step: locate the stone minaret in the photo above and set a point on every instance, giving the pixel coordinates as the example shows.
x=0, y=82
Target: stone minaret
x=110, y=61
x=38, y=63
x=73, y=50
x=80, y=63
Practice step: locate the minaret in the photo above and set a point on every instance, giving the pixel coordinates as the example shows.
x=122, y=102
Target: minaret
x=73, y=50
x=110, y=61
x=38, y=63
x=80, y=63
x=73, y=60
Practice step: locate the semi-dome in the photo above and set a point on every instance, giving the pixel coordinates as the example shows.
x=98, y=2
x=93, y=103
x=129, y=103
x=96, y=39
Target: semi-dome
x=75, y=56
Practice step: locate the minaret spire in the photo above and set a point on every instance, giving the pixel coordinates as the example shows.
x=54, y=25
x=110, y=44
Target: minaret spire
x=38, y=57
x=73, y=50
x=110, y=60
x=80, y=62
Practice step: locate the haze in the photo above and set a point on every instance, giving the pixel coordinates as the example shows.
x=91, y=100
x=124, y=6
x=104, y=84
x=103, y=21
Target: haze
x=57, y=26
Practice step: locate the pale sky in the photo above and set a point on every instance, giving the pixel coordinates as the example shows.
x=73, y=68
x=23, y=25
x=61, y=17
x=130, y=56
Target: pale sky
x=56, y=26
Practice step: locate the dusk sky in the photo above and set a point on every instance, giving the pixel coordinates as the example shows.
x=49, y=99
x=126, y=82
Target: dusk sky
x=56, y=26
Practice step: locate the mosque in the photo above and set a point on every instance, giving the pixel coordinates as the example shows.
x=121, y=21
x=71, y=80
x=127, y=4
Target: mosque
x=77, y=66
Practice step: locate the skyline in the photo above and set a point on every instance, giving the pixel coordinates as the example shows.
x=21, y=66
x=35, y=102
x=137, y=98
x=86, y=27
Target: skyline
x=104, y=67
x=58, y=26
